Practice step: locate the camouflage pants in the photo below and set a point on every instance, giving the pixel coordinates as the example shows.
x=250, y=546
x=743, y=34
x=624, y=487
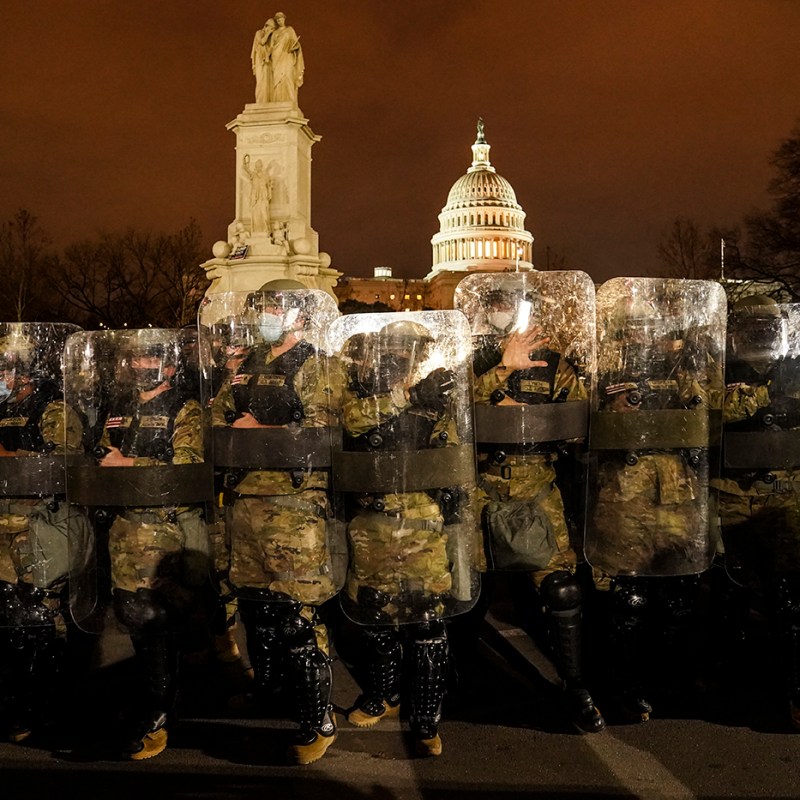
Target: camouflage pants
x=280, y=543
x=531, y=478
x=399, y=554
x=156, y=550
x=649, y=518
x=761, y=533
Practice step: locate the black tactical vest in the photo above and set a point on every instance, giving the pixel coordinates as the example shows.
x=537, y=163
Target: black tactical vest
x=19, y=422
x=267, y=390
x=537, y=384
x=145, y=430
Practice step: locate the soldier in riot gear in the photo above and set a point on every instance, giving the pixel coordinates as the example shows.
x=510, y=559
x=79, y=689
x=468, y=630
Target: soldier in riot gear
x=653, y=439
x=407, y=526
x=530, y=402
x=272, y=423
x=36, y=430
x=760, y=484
x=158, y=542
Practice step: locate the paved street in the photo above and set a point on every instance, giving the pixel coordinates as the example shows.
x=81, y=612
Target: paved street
x=503, y=737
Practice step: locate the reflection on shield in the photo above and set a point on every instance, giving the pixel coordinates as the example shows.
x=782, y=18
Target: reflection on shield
x=655, y=428
x=403, y=468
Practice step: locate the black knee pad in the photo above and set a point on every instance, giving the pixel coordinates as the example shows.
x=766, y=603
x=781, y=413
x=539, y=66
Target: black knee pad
x=142, y=612
x=561, y=592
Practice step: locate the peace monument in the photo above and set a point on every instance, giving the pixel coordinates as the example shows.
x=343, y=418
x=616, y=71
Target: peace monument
x=271, y=234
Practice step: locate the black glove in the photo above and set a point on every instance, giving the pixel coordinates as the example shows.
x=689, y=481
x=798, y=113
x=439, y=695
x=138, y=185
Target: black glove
x=432, y=391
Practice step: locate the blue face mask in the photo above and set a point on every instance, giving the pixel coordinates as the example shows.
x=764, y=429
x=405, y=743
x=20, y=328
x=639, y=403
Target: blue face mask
x=271, y=328
x=5, y=392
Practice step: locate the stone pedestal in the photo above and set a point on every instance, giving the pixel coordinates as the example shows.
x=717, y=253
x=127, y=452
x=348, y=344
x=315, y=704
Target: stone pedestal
x=271, y=235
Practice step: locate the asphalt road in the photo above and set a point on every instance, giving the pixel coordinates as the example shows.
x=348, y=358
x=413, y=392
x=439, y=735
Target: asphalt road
x=503, y=731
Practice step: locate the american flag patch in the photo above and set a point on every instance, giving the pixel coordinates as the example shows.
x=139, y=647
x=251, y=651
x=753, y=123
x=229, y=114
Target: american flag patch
x=240, y=378
x=617, y=388
x=114, y=422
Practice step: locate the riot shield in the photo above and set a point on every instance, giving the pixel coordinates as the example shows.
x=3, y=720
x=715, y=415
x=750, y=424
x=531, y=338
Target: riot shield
x=272, y=420
x=36, y=434
x=533, y=357
x=404, y=466
x=655, y=427
x=144, y=477
x=760, y=483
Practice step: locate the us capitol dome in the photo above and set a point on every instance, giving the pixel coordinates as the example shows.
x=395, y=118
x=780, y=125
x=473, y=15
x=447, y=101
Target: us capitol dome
x=481, y=228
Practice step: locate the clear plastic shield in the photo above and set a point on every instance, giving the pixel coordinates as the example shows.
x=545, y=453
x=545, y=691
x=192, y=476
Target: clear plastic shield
x=143, y=478
x=655, y=427
x=273, y=415
x=404, y=466
x=533, y=357
x=760, y=484
x=36, y=433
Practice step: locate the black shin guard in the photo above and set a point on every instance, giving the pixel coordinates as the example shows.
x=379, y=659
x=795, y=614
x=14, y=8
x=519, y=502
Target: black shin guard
x=562, y=597
x=383, y=667
x=429, y=662
x=154, y=642
x=309, y=673
x=629, y=611
x=262, y=621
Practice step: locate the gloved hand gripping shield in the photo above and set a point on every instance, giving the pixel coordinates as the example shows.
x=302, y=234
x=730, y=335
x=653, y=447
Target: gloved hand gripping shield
x=655, y=428
x=144, y=474
x=533, y=345
x=273, y=415
x=761, y=441
x=36, y=435
x=404, y=468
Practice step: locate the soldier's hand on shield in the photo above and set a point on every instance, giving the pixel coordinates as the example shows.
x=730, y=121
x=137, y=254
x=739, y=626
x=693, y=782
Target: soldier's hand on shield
x=431, y=392
x=247, y=420
x=519, y=346
x=114, y=458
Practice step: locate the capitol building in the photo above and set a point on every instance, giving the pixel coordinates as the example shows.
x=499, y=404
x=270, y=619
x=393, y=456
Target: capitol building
x=481, y=229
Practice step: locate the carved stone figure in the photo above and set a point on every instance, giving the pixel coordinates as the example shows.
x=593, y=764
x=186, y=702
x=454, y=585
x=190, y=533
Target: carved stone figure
x=286, y=61
x=260, y=195
x=260, y=58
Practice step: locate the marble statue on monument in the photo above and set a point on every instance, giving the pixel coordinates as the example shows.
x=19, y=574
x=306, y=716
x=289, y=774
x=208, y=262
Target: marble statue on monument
x=271, y=234
x=277, y=60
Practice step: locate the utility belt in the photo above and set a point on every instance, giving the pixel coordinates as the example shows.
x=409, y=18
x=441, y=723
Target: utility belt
x=149, y=515
x=290, y=501
x=506, y=471
x=398, y=519
x=502, y=449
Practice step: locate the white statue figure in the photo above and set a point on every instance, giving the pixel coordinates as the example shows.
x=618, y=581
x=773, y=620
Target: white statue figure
x=286, y=62
x=260, y=195
x=240, y=234
x=260, y=58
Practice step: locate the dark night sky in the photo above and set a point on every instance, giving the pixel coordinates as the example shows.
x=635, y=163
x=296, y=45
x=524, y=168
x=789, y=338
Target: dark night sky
x=609, y=118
